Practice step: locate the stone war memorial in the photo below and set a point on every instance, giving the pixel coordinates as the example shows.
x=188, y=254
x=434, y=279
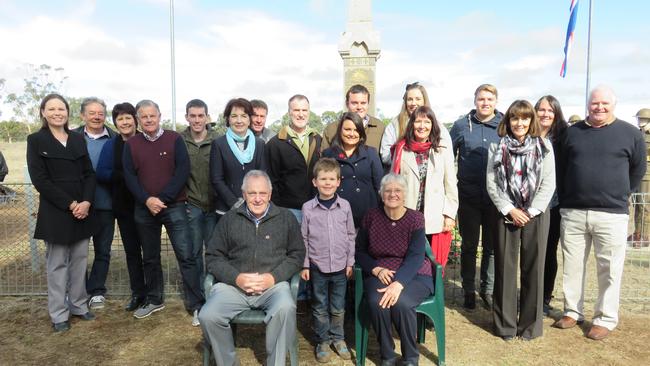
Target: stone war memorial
x=359, y=49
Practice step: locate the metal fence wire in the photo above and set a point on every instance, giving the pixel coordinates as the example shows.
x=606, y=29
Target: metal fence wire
x=22, y=258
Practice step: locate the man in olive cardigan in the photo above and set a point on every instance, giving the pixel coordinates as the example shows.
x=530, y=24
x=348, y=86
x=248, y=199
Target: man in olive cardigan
x=255, y=249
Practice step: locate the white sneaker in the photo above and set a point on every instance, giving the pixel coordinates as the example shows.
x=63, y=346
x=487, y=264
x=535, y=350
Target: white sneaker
x=96, y=302
x=195, y=319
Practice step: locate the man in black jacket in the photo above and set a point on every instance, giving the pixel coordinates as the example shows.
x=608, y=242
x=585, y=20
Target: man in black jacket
x=291, y=156
x=255, y=249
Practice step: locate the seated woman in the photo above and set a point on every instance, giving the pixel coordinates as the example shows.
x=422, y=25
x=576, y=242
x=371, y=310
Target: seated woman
x=361, y=169
x=397, y=275
x=234, y=154
x=520, y=181
x=427, y=163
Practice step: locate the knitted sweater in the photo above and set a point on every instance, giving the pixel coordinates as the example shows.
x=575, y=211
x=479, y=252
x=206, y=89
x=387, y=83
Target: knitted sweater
x=238, y=245
x=600, y=167
x=396, y=245
x=156, y=169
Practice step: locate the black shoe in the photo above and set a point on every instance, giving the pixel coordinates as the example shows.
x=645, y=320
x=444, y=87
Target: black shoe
x=134, y=303
x=87, y=316
x=391, y=362
x=507, y=338
x=487, y=301
x=470, y=301
x=61, y=327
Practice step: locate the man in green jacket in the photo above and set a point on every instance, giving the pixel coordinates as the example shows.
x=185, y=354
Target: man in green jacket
x=200, y=196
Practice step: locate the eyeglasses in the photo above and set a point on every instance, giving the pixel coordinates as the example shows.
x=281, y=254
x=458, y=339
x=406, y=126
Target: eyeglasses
x=396, y=192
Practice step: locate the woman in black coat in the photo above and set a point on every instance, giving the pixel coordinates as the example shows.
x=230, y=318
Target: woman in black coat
x=61, y=171
x=234, y=154
x=361, y=169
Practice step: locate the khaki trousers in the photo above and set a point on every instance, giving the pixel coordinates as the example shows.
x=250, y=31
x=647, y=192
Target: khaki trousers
x=580, y=229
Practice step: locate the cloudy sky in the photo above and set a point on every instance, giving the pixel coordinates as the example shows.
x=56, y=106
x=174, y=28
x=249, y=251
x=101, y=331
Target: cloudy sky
x=119, y=50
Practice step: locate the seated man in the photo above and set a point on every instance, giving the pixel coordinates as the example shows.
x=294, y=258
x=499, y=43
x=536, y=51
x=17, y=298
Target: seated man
x=254, y=250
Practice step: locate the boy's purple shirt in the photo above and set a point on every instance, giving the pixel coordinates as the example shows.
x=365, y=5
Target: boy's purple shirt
x=328, y=234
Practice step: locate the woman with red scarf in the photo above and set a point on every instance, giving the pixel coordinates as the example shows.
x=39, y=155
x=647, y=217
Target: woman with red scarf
x=427, y=163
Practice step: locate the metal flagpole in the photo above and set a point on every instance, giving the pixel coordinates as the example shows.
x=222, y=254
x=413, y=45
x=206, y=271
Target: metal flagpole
x=588, y=59
x=173, y=60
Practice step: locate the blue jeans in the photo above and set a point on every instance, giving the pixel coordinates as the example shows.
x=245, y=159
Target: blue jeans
x=328, y=304
x=174, y=217
x=102, y=240
x=200, y=224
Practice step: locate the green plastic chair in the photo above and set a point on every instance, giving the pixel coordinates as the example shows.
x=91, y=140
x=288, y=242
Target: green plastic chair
x=253, y=316
x=432, y=307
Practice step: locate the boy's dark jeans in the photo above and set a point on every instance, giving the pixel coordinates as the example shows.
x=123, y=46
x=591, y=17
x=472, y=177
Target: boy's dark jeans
x=328, y=304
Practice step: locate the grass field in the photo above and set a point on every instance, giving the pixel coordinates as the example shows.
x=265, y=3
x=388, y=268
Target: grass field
x=167, y=338
x=14, y=154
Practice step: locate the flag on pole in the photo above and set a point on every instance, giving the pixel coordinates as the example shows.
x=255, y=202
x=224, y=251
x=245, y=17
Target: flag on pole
x=573, y=10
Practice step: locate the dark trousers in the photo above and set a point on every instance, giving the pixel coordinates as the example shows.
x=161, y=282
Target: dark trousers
x=550, y=264
x=174, y=218
x=328, y=304
x=102, y=240
x=402, y=314
x=471, y=218
x=133, y=251
x=531, y=242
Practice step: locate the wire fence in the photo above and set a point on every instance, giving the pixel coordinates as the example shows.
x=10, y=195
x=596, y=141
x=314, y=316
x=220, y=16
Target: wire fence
x=22, y=258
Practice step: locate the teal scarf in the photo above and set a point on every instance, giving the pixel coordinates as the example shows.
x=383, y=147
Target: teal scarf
x=245, y=156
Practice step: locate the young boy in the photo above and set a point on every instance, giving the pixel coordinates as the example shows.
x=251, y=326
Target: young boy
x=328, y=232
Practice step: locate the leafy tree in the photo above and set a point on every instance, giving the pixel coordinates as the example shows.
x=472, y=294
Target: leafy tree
x=330, y=117
x=315, y=122
x=219, y=125
x=43, y=80
x=11, y=131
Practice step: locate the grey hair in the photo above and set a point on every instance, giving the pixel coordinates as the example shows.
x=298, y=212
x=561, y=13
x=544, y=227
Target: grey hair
x=90, y=100
x=392, y=178
x=256, y=174
x=146, y=103
x=604, y=89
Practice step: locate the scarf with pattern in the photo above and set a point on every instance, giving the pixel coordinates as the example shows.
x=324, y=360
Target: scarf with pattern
x=518, y=166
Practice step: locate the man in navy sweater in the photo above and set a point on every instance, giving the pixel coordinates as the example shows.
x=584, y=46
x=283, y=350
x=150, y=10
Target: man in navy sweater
x=96, y=134
x=602, y=162
x=156, y=168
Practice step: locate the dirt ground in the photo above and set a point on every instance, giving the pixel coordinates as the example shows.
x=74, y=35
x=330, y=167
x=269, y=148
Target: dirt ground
x=167, y=338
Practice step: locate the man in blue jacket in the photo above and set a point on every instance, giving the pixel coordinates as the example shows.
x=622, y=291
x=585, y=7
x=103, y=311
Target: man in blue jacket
x=472, y=135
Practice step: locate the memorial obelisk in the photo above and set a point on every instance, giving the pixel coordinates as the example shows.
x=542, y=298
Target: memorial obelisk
x=359, y=49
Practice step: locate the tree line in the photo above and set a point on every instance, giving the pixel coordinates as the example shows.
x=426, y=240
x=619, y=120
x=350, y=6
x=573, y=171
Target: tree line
x=44, y=79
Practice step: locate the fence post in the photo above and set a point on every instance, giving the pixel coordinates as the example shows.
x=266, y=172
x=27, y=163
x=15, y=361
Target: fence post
x=30, y=200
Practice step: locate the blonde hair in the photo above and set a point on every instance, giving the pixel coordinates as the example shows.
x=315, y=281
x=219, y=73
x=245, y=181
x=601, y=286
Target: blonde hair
x=403, y=116
x=488, y=88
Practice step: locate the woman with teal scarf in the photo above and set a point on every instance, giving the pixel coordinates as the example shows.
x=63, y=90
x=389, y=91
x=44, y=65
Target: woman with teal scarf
x=234, y=154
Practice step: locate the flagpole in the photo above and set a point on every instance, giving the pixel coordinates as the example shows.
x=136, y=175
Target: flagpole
x=173, y=60
x=587, y=86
